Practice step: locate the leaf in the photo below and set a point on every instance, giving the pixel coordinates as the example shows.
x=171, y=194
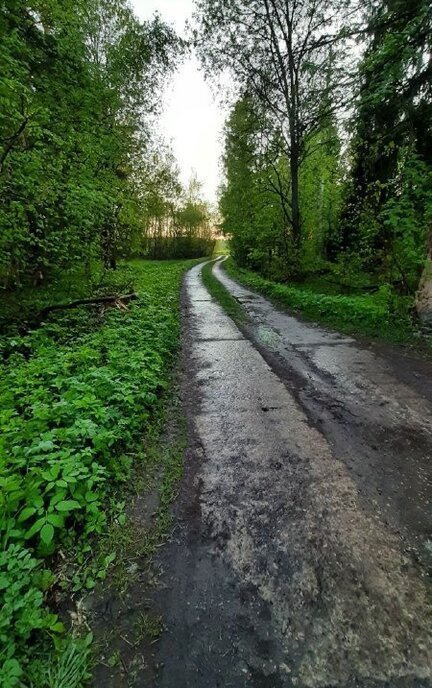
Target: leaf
x=44, y=579
x=12, y=667
x=36, y=527
x=47, y=533
x=109, y=558
x=56, y=520
x=68, y=505
x=58, y=627
x=57, y=497
x=45, y=445
x=26, y=513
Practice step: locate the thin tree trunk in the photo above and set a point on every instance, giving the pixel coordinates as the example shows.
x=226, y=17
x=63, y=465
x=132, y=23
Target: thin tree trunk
x=424, y=294
x=295, y=200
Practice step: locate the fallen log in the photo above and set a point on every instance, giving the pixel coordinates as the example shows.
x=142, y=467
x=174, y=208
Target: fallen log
x=115, y=299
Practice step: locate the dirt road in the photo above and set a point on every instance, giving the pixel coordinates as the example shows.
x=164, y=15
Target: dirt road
x=302, y=553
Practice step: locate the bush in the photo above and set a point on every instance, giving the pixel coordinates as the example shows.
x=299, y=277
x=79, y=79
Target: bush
x=22, y=611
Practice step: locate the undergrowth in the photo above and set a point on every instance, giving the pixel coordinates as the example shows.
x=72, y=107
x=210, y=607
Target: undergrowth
x=381, y=315
x=133, y=537
x=77, y=394
x=157, y=467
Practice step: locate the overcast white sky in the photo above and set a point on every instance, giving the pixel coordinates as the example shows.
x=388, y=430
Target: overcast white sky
x=191, y=119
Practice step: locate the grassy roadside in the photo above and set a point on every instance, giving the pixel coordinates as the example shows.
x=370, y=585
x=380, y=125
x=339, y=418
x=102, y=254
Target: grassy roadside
x=78, y=394
x=123, y=643
x=377, y=316
x=230, y=305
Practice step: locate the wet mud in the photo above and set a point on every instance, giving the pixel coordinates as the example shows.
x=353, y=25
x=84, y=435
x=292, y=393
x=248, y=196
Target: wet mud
x=302, y=551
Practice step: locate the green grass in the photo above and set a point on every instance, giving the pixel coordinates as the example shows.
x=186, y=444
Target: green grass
x=77, y=396
x=230, y=305
x=148, y=627
x=21, y=305
x=134, y=536
x=381, y=315
x=70, y=667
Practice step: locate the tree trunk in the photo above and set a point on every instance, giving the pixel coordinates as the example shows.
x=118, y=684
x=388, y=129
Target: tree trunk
x=108, y=249
x=295, y=201
x=424, y=294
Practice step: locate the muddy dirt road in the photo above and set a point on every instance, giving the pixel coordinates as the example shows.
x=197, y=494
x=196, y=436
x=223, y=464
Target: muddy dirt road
x=302, y=554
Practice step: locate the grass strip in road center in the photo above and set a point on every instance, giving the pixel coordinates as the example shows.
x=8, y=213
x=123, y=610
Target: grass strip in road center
x=216, y=289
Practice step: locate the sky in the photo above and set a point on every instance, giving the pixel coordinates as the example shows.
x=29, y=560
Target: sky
x=191, y=120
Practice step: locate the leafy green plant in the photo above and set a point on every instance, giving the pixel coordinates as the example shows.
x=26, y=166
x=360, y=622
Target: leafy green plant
x=74, y=408
x=71, y=668
x=22, y=610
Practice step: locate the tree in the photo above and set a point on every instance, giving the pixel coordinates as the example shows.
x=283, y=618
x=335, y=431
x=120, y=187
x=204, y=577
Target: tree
x=386, y=214
x=78, y=84
x=251, y=215
x=193, y=214
x=424, y=294
x=282, y=53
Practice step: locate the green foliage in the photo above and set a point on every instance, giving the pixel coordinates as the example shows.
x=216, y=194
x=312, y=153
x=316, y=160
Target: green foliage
x=75, y=81
x=406, y=216
x=22, y=610
x=73, y=406
x=176, y=247
x=307, y=191
x=387, y=210
x=252, y=216
x=255, y=202
x=292, y=81
x=178, y=221
x=71, y=668
x=221, y=248
x=320, y=195
x=68, y=669
x=148, y=627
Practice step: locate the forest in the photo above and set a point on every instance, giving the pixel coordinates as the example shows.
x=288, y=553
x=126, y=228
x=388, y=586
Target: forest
x=328, y=145
x=326, y=201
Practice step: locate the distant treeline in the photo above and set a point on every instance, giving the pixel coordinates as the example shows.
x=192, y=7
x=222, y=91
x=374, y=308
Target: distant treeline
x=180, y=229
x=166, y=248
